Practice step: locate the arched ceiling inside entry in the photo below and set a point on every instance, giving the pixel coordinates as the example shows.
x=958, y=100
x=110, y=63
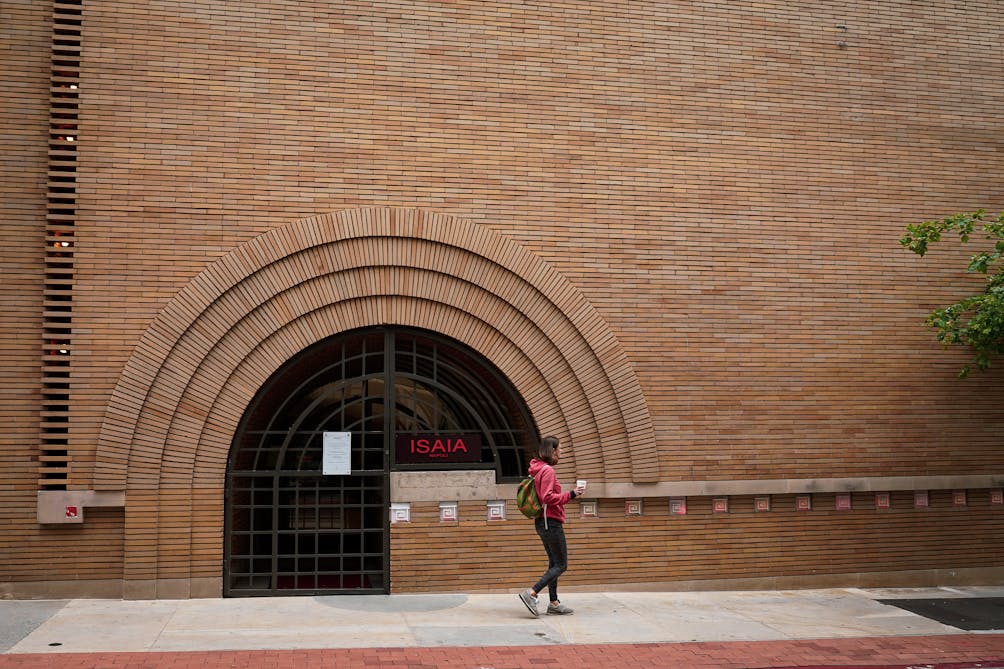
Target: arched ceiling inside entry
x=178, y=402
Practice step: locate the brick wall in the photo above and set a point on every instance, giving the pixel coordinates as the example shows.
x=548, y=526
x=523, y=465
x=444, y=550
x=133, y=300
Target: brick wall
x=724, y=183
x=822, y=547
x=26, y=34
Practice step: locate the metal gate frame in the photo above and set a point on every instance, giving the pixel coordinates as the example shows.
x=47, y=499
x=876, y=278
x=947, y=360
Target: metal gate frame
x=276, y=497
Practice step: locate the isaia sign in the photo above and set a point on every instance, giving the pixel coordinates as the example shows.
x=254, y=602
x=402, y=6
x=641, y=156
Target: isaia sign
x=437, y=449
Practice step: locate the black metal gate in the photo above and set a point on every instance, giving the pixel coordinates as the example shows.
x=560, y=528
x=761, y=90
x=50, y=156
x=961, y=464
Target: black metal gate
x=292, y=530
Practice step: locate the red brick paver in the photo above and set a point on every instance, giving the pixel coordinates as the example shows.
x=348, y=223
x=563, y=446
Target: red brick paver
x=943, y=652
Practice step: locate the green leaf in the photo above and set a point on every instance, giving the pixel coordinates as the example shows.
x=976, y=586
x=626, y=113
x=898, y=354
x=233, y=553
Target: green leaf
x=977, y=321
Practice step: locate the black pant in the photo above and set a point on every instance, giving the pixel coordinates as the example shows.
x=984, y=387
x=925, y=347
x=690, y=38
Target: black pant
x=553, y=538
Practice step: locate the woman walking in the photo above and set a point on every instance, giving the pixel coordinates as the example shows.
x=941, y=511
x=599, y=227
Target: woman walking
x=550, y=526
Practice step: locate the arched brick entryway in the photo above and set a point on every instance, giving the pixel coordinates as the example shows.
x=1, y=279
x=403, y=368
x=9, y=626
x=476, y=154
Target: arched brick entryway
x=172, y=416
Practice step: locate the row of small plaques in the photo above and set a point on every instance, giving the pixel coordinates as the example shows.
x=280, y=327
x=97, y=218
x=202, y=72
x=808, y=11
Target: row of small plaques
x=842, y=502
x=496, y=509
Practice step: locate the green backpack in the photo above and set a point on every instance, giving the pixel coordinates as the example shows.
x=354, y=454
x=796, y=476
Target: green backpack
x=526, y=499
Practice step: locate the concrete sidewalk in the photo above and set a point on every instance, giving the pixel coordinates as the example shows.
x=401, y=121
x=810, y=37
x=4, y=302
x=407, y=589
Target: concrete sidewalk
x=461, y=620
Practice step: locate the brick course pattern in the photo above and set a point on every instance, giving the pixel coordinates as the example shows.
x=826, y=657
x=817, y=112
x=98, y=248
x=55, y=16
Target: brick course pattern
x=784, y=548
x=720, y=185
x=25, y=60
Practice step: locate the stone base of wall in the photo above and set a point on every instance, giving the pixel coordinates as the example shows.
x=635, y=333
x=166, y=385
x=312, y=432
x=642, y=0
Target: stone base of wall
x=212, y=588
x=925, y=578
x=77, y=589
x=174, y=588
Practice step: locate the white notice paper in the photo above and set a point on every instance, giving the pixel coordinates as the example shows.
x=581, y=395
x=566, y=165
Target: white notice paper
x=337, y=459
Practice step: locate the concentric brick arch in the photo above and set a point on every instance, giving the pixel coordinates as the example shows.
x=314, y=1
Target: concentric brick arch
x=177, y=404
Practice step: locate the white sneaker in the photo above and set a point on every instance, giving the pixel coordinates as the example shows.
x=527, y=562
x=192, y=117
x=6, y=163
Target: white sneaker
x=558, y=609
x=530, y=601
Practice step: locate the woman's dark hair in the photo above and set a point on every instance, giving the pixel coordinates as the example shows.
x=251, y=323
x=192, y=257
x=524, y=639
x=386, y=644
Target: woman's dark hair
x=545, y=451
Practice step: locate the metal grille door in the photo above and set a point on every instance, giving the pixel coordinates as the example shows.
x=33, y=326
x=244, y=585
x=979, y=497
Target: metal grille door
x=292, y=530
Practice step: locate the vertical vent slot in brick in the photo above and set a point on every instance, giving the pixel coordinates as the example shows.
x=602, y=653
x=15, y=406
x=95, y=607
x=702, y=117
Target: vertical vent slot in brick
x=61, y=218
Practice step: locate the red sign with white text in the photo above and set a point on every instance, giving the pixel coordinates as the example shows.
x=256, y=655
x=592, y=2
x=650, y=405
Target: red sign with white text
x=437, y=449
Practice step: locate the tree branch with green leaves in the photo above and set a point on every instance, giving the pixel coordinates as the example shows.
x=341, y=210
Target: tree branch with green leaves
x=976, y=321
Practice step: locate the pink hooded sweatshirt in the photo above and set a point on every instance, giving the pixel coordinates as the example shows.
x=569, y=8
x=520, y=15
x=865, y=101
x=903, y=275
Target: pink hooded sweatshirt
x=549, y=490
